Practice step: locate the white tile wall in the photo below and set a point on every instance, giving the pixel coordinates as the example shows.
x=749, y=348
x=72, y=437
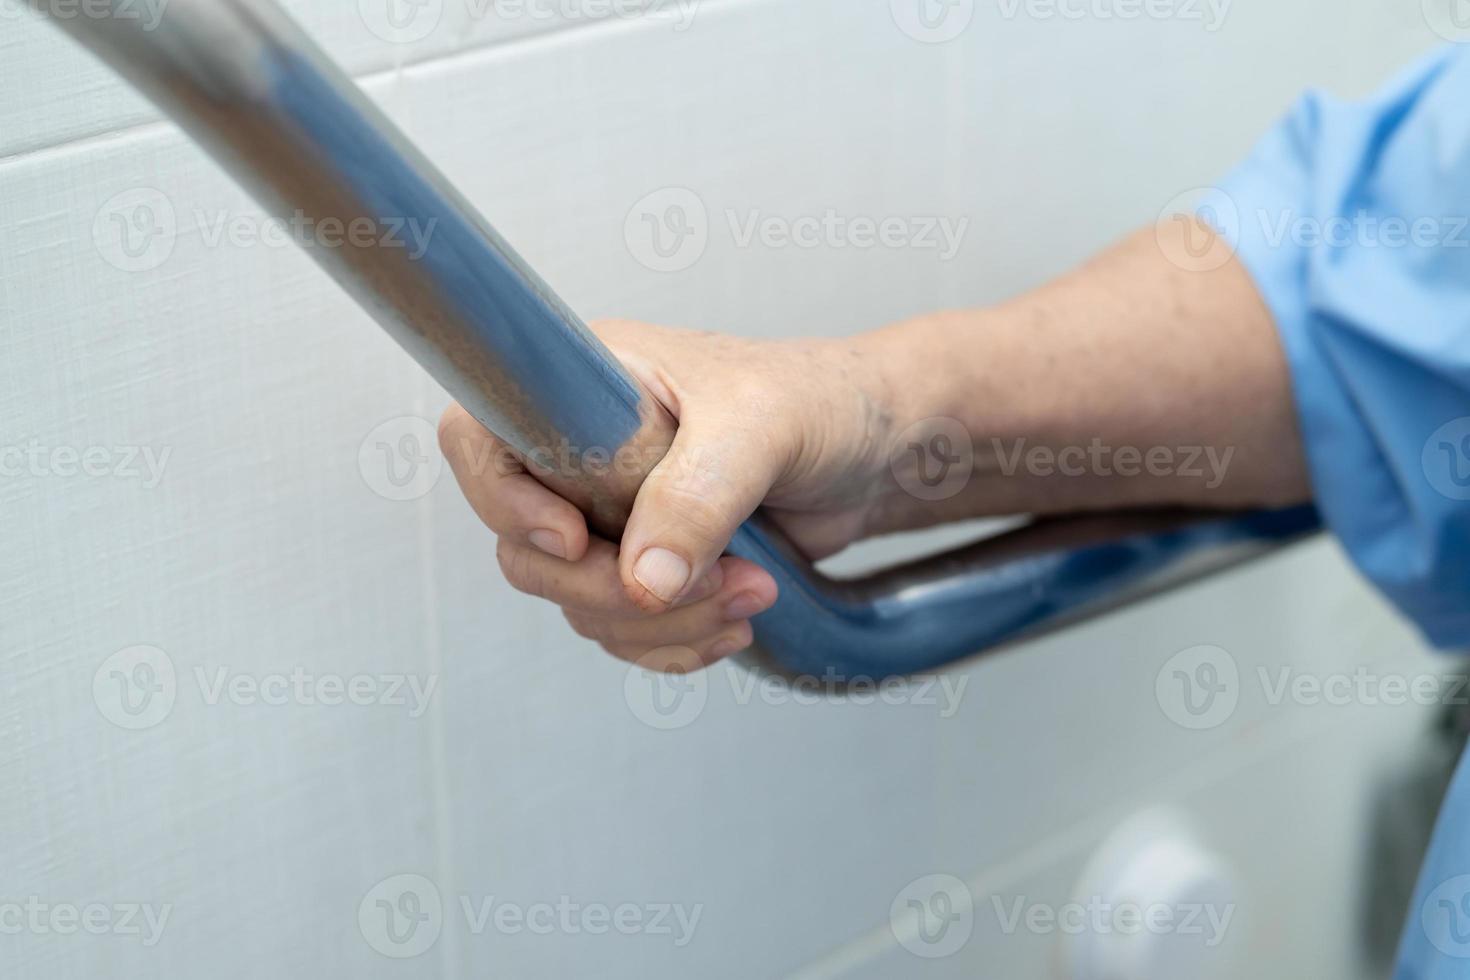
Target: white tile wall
x=263, y=549
x=366, y=36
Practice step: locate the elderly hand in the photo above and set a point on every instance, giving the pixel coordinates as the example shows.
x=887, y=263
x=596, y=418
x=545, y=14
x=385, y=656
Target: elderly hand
x=799, y=427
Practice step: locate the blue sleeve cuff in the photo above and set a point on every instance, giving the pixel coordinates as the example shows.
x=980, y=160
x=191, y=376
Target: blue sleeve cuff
x=1348, y=218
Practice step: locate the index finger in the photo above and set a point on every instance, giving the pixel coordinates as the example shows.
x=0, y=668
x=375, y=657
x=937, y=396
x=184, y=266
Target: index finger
x=511, y=502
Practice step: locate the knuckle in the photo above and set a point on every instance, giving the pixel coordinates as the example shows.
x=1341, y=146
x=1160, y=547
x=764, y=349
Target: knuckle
x=756, y=407
x=756, y=396
x=587, y=627
x=627, y=652
x=694, y=500
x=518, y=565
x=451, y=426
x=604, y=633
x=741, y=636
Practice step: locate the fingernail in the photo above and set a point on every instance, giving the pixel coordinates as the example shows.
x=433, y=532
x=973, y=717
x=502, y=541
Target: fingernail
x=550, y=542
x=744, y=606
x=662, y=572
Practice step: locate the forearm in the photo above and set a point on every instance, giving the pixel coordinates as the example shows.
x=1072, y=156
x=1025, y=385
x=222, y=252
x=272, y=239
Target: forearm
x=1130, y=382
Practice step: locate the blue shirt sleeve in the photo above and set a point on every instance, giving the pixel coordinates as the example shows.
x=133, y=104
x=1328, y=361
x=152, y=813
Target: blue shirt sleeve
x=1354, y=220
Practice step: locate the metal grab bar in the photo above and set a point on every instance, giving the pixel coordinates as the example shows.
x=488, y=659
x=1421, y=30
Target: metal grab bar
x=246, y=82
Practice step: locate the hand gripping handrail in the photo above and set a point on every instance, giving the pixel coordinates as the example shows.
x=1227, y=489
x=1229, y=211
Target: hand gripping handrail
x=246, y=82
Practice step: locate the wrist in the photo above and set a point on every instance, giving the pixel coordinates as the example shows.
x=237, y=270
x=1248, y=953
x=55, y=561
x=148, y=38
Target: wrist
x=992, y=410
x=971, y=368
x=949, y=387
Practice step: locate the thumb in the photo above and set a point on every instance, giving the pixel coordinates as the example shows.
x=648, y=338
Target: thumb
x=691, y=504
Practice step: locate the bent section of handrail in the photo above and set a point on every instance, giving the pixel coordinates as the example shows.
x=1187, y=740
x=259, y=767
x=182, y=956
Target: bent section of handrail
x=248, y=84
